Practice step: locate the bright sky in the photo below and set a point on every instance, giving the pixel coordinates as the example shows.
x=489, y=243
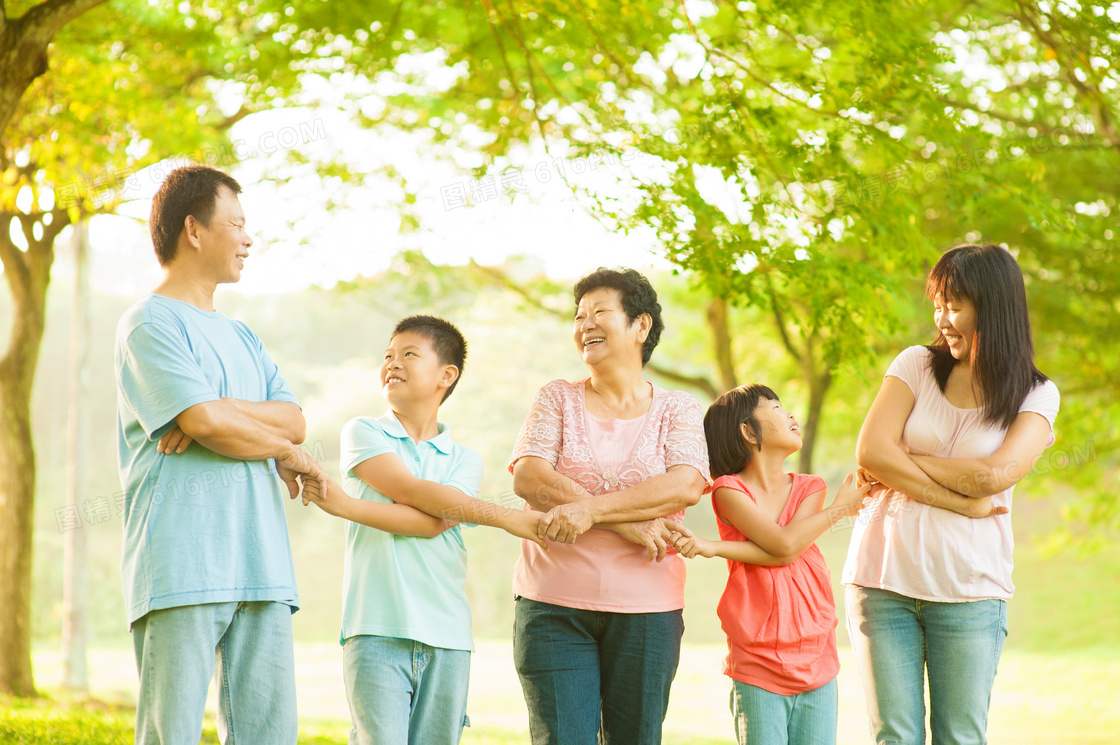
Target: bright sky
x=299, y=242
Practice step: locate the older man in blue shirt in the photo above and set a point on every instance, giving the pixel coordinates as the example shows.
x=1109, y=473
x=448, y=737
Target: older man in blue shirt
x=208, y=435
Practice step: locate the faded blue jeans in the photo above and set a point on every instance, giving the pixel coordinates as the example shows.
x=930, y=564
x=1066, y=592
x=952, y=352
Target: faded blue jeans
x=176, y=652
x=898, y=640
x=401, y=691
x=595, y=677
x=766, y=718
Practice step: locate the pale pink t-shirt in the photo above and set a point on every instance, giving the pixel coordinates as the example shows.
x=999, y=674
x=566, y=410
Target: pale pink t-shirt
x=602, y=570
x=930, y=553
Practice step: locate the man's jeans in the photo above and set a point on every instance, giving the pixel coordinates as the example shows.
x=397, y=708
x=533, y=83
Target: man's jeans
x=176, y=652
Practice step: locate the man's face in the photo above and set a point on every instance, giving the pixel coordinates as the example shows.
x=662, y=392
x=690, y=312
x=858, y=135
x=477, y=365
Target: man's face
x=225, y=244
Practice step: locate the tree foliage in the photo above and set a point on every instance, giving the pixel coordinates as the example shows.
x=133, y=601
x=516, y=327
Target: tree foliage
x=812, y=160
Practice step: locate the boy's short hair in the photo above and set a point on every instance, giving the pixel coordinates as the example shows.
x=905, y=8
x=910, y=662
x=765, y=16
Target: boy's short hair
x=728, y=451
x=447, y=341
x=190, y=190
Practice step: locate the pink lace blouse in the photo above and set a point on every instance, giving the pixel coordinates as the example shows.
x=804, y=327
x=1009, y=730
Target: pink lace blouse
x=601, y=570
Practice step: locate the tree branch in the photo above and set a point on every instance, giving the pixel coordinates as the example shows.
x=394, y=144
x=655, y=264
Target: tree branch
x=698, y=381
x=501, y=278
x=1017, y=121
x=780, y=322
x=47, y=18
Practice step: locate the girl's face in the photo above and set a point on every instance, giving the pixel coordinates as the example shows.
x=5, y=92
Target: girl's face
x=955, y=318
x=778, y=427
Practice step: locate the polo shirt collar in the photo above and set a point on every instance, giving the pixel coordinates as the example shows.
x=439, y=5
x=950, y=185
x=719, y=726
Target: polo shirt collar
x=394, y=428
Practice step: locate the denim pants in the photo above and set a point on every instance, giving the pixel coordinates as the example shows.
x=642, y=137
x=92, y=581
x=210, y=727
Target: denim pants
x=593, y=676
x=401, y=691
x=176, y=652
x=899, y=640
x=766, y=718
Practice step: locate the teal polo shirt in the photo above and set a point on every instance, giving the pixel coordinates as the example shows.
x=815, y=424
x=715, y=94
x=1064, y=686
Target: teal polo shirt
x=400, y=586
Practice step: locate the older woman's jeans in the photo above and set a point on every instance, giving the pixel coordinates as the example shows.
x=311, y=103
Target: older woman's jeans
x=583, y=670
x=899, y=639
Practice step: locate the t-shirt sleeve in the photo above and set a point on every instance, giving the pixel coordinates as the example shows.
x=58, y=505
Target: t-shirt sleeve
x=542, y=432
x=361, y=440
x=467, y=475
x=158, y=376
x=1043, y=399
x=909, y=367
x=685, y=444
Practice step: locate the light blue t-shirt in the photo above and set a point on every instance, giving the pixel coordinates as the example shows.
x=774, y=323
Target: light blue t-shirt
x=400, y=586
x=198, y=527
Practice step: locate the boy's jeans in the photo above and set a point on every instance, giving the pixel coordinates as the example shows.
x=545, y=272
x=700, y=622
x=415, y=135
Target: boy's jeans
x=898, y=640
x=176, y=651
x=401, y=691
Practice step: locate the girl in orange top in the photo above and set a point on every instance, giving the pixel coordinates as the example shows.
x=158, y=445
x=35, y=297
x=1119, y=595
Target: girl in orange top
x=777, y=610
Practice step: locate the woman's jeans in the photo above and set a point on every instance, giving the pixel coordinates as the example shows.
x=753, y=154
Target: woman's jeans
x=583, y=671
x=897, y=639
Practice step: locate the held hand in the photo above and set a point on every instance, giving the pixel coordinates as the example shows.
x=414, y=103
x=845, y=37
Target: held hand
x=692, y=546
x=851, y=498
x=294, y=462
x=655, y=535
x=567, y=522
x=313, y=493
x=526, y=524
x=173, y=441
x=289, y=476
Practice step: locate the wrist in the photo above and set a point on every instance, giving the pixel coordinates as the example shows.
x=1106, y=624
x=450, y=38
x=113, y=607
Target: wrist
x=594, y=505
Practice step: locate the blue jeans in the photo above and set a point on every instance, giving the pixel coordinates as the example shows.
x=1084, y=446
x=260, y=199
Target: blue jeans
x=401, y=691
x=898, y=640
x=766, y=718
x=176, y=652
x=592, y=676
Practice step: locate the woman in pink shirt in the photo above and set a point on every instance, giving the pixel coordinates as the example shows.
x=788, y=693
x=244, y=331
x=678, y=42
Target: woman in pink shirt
x=953, y=428
x=613, y=460
x=777, y=609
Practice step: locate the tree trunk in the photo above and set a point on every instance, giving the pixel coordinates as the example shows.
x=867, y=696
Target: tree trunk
x=819, y=384
x=75, y=581
x=721, y=342
x=28, y=274
x=23, y=47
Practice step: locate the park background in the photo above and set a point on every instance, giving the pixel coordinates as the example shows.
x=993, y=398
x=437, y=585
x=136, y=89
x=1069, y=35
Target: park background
x=785, y=177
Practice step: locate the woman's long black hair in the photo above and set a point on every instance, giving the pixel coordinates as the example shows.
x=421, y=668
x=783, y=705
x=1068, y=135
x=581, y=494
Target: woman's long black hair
x=1002, y=351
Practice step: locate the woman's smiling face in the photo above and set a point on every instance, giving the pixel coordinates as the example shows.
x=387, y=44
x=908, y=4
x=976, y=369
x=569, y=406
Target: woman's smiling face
x=602, y=329
x=955, y=318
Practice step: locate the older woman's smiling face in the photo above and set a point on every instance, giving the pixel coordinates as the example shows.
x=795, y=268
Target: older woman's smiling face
x=602, y=330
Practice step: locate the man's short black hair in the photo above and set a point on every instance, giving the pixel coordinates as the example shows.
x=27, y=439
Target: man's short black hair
x=638, y=297
x=190, y=190
x=447, y=341
x=728, y=451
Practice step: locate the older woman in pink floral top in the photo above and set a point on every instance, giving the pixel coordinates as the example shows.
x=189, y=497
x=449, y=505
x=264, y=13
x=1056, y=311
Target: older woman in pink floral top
x=614, y=460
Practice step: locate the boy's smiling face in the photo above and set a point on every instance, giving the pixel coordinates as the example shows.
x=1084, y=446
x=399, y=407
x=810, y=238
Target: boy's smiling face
x=412, y=372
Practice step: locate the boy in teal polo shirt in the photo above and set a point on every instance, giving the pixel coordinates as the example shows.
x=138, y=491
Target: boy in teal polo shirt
x=406, y=622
